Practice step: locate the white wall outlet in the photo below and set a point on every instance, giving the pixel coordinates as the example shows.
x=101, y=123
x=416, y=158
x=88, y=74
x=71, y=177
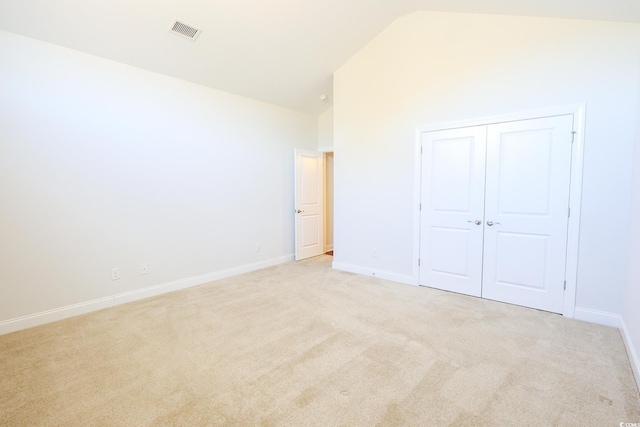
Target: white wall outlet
x=144, y=268
x=115, y=273
x=374, y=252
x=257, y=247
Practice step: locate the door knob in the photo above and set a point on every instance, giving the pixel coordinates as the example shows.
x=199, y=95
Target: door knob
x=490, y=223
x=299, y=211
x=476, y=222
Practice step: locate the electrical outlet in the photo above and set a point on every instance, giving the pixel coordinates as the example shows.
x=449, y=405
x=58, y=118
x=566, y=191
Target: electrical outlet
x=374, y=252
x=115, y=273
x=144, y=268
x=257, y=247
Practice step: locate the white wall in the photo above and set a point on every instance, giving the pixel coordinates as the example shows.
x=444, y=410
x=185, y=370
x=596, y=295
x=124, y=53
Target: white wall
x=437, y=67
x=325, y=130
x=325, y=143
x=104, y=165
x=631, y=311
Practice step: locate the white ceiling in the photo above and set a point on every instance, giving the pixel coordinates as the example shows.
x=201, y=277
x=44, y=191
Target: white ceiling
x=279, y=51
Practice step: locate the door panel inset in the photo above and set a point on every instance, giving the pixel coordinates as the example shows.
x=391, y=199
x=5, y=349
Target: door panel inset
x=451, y=167
x=310, y=188
x=521, y=260
x=310, y=226
x=524, y=167
x=449, y=247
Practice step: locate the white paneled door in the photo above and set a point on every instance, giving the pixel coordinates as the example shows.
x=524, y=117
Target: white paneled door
x=309, y=203
x=452, y=206
x=515, y=187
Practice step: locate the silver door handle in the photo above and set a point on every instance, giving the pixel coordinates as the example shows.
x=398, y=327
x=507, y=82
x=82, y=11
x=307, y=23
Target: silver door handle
x=299, y=211
x=476, y=222
x=490, y=223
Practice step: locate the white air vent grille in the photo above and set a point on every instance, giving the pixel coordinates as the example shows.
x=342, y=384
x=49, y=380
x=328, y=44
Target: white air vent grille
x=185, y=30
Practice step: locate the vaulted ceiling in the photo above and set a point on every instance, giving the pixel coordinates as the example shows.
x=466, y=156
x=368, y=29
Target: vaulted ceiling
x=279, y=51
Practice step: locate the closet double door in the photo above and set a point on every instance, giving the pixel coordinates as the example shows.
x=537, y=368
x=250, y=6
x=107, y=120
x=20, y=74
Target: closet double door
x=495, y=208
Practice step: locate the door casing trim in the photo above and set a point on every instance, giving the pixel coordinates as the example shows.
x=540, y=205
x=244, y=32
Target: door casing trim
x=575, y=192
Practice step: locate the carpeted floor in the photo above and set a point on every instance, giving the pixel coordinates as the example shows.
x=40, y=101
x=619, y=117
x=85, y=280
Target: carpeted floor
x=303, y=345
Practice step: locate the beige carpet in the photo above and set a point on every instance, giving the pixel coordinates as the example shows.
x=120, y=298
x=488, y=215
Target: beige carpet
x=303, y=345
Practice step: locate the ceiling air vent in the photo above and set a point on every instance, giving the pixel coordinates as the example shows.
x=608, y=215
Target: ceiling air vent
x=185, y=30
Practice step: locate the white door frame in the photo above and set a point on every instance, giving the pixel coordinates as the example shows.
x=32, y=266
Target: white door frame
x=326, y=151
x=575, y=193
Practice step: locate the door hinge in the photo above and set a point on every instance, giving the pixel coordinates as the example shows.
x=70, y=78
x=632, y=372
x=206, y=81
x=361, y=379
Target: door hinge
x=418, y=262
x=420, y=208
x=573, y=136
x=568, y=212
x=565, y=285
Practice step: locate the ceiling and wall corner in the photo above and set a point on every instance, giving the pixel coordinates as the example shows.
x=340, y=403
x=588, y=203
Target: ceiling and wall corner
x=281, y=52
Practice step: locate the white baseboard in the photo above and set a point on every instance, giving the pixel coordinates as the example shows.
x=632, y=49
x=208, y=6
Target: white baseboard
x=387, y=275
x=37, y=319
x=599, y=317
x=617, y=321
x=631, y=351
x=177, y=285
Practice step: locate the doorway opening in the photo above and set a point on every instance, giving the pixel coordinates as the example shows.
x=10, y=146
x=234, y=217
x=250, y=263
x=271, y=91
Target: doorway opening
x=313, y=203
x=328, y=203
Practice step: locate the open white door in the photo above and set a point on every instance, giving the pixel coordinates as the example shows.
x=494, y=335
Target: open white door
x=309, y=203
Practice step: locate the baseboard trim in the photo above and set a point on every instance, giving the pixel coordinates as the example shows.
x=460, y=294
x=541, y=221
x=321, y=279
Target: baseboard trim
x=616, y=321
x=387, y=275
x=599, y=317
x=631, y=351
x=584, y=314
x=189, y=282
x=48, y=316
